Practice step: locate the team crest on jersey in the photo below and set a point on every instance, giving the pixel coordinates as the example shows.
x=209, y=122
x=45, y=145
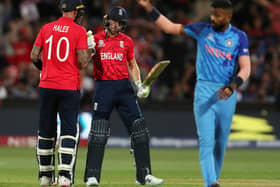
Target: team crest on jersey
x=229, y=43
x=101, y=43
x=121, y=44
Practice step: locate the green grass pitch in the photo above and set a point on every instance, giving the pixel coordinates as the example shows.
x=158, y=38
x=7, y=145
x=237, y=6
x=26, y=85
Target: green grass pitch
x=178, y=167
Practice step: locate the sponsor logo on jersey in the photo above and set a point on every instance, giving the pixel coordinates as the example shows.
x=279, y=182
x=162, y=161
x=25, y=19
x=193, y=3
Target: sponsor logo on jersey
x=101, y=43
x=111, y=56
x=218, y=53
x=211, y=37
x=121, y=44
x=229, y=43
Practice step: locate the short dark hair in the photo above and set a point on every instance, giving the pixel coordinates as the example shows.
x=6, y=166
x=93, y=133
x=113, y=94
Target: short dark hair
x=225, y=4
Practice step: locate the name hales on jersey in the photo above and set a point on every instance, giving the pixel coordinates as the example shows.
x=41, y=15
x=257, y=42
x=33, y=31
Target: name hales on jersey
x=61, y=28
x=218, y=53
x=111, y=56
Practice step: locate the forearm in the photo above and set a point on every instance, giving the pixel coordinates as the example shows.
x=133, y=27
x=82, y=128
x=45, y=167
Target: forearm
x=163, y=22
x=84, y=56
x=244, y=74
x=135, y=73
x=245, y=67
x=167, y=26
x=35, y=57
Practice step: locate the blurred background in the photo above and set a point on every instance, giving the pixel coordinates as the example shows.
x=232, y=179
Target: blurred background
x=168, y=109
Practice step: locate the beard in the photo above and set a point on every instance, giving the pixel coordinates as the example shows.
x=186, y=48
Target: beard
x=219, y=27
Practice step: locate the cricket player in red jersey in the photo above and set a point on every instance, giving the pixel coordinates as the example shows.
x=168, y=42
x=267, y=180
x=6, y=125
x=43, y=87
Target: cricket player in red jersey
x=113, y=61
x=63, y=46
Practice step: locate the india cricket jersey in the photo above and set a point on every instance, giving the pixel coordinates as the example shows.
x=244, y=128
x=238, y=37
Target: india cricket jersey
x=60, y=40
x=112, y=55
x=217, y=52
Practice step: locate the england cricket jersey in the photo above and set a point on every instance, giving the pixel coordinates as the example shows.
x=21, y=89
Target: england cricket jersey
x=112, y=55
x=217, y=52
x=60, y=40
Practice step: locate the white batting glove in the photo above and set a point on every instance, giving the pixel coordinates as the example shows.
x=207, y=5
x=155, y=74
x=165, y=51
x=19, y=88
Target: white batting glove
x=90, y=40
x=142, y=91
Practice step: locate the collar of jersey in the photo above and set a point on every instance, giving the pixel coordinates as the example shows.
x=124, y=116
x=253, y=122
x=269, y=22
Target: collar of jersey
x=66, y=19
x=225, y=32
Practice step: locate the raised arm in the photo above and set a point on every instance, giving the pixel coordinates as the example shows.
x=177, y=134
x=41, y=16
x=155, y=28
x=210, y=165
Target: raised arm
x=85, y=55
x=160, y=20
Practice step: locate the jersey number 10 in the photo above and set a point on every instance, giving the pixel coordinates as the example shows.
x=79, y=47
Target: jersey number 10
x=62, y=39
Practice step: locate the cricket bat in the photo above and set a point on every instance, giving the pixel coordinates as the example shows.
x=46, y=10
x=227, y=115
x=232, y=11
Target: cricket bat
x=155, y=72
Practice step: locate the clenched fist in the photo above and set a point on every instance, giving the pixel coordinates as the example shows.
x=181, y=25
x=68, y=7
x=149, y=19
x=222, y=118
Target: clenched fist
x=225, y=92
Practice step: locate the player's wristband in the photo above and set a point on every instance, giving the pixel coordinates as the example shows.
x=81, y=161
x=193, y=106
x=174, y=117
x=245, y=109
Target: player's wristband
x=237, y=80
x=154, y=14
x=38, y=64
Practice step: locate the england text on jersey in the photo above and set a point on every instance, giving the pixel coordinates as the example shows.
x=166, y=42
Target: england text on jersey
x=111, y=56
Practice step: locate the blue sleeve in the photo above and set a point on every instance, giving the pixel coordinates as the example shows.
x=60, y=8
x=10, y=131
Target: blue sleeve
x=244, y=45
x=194, y=29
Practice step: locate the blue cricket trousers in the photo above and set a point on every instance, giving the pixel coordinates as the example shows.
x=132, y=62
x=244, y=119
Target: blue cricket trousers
x=64, y=102
x=213, y=118
x=119, y=94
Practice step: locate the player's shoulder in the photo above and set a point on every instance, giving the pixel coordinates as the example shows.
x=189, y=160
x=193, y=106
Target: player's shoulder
x=238, y=31
x=125, y=37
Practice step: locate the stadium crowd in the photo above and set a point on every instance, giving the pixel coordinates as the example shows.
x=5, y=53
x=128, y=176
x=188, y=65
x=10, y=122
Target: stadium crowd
x=20, y=21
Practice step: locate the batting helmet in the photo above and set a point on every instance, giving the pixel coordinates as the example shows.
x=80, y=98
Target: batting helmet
x=117, y=13
x=69, y=5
